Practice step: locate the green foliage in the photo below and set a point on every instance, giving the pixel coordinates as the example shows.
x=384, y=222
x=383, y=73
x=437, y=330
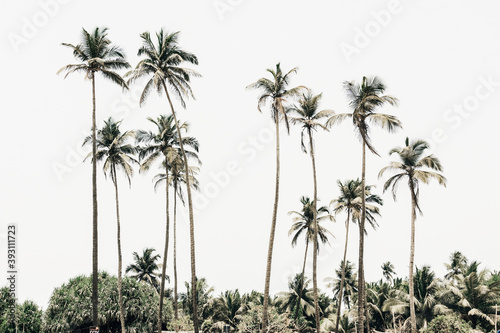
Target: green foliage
x=27, y=315
x=278, y=323
x=448, y=324
x=70, y=305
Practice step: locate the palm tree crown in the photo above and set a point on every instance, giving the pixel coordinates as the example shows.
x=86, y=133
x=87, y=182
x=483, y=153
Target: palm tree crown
x=145, y=267
x=97, y=55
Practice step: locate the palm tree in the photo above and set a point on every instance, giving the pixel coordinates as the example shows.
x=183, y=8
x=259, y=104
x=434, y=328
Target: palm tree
x=175, y=179
x=410, y=168
x=364, y=98
x=276, y=92
x=298, y=297
x=145, y=268
x=162, y=64
x=388, y=270
x=349, y=201
x=229, y=308
x=458, y=264
x=97, y=55
x=113, y=147
x=345, y=271
x=304, y=223
x=309, y=117
x=165, y=142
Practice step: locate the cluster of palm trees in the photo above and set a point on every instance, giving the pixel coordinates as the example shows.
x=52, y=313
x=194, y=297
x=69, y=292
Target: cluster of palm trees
x=162, y=65
x=364, y=100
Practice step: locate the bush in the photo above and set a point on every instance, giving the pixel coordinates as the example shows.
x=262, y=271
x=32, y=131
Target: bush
x=448, y=324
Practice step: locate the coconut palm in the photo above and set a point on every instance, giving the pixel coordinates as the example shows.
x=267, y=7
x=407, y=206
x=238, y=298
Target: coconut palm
x=309, y=118
x=276, y=91
x=97, y=55
x=458, y=264
x=145, y=268
x=162, y=65
x=299, y=297
x=349, y=201
x=304, y=223
x=114, y=149
x=388, y=270
x=411, y=167
x=176, y=178
x=364, y=99
x=350, y=287
x=164, y=143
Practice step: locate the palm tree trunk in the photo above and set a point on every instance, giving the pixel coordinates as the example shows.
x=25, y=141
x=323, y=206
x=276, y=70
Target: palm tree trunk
x=165, y=251
x=273, y=229
x=315, y=240
x=95, y=281
x=191, y=219
x=413, y=318
x=176, y=311
x=118, y=238
x=342, y=279
x=302, y=283
x=361, y=278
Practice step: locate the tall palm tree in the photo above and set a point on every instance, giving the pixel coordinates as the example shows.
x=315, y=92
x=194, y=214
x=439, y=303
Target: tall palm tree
x=175, y=179
x=364, y=99
x=97, y=55
x=165, y=143
x=276, y=91
x=162, y=64
x=349, y=201
x=145, y=268
x=411, y=167
x=309, y=117
x=346, y=271
x=113, y=147
x=304, y=223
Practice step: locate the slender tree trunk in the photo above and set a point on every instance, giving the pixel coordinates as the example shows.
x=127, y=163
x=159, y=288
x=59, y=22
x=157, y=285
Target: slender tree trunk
x=315, y=240
x=273, y=229
x=95, y=272
x=302, y=283
x=413, y=317
x=361, y=277
x=118, y=238
x=342, y=279
x=191, y=218
x=165, y=251
x=176, y=311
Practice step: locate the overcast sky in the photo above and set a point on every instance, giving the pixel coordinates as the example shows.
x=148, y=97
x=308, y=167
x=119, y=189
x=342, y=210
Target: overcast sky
x=439, y=58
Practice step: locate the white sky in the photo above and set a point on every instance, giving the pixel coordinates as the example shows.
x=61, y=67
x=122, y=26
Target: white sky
x=433, y=55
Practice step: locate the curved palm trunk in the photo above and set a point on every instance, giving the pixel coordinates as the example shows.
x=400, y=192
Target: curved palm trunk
x=95, y=278
x=342, y=279
x=361, y=277
x=191, y=219
x=118, y=238
x=176, y=311
x=315, y=240
x=271, y=236
x=413, y=318
x=165, y=251
x=302, y=282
